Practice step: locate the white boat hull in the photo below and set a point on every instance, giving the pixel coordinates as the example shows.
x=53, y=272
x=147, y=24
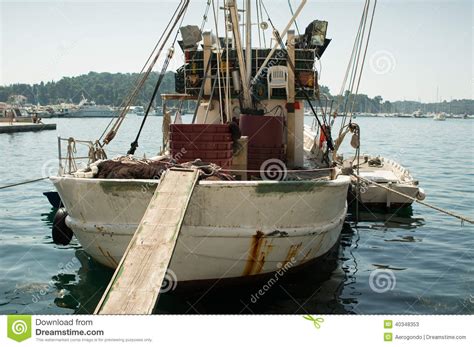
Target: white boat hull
x=374, y=195
x=95, y=113
x=392, y=176
x=231, y=229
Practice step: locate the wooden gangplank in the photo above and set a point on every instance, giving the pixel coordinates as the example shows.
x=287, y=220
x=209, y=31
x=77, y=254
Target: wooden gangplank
x=136, y=283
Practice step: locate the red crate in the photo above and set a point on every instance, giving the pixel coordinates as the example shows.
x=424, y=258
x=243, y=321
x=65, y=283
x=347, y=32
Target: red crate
x=268, y=151
x=263, y=131
x=204, y=155
x=197, y=145
x=200, y=137
x=265, y=156
x=200, y=128
x=266, y=146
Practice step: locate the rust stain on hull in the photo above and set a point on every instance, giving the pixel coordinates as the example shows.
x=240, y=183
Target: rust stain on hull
x=108, y=256
x=256, y=257
x=292, y=252
x=305, y=258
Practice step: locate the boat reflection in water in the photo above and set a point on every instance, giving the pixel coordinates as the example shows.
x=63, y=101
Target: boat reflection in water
x=382, y=218
x=81, y=291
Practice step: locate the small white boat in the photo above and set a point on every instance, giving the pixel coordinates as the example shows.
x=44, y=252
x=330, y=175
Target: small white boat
x=418, y=114
x=386, y=173
x=439, y=116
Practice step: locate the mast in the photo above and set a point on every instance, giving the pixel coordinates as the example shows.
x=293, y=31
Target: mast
x=248, y=39
x=247, y=99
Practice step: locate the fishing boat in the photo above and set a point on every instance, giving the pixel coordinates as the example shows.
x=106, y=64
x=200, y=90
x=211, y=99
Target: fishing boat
x=260, y=204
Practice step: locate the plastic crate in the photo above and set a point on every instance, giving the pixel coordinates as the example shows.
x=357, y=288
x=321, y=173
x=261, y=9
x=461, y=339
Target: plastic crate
x=200, y=137
x=204, y=155
x=197, y=145
x=200, y=128
x=268, y=151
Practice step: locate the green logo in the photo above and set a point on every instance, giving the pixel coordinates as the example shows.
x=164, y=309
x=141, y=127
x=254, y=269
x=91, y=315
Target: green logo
x=387, y=324
x=19, y=327
x=316, y=321
x=387, y=337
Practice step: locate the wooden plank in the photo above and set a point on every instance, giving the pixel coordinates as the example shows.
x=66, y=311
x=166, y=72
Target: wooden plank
x=136, y=283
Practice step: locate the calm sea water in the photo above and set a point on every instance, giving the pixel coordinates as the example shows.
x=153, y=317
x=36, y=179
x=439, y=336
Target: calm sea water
x=426, y=258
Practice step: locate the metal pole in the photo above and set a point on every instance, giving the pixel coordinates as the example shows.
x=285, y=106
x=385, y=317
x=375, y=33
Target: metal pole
x=238, y=45
x=60, y=155
x=358, y=180
x=248, y=39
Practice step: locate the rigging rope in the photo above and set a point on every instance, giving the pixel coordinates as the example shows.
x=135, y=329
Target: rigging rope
x=259, y=30
x=134, y=144
x=355, y=62
x=358, y=74
x=365, y=52
x=141, y=79
x=25, y=182
x=179, y=18
x=205, y=16
x=219, y=59
x=292, y=14
x=261, y=16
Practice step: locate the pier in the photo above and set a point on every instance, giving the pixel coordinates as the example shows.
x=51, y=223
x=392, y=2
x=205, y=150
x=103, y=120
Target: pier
x=7, y=128
x=135, y=286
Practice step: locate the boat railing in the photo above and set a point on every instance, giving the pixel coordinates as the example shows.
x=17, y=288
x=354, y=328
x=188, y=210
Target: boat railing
x=73, y=160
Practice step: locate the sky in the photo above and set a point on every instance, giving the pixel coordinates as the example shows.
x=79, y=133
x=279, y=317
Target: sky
x=417, y=47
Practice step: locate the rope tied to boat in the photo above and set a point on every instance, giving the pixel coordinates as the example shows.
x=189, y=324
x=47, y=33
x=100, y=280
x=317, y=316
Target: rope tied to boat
x=439, y=209
x=25, y=182
x=71, y=150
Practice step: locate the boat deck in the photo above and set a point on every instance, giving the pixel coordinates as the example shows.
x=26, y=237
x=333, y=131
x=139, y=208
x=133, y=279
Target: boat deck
x=383, y=172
